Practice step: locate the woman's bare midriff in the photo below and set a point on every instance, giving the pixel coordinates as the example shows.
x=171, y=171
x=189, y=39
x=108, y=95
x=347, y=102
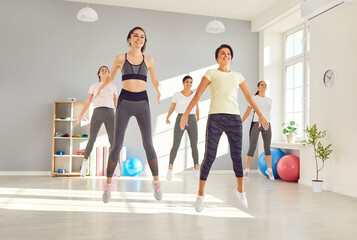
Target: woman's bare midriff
x=132, y=85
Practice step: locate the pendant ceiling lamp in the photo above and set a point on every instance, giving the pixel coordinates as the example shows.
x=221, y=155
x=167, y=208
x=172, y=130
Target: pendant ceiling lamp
x=215, y=26
x=87, y=14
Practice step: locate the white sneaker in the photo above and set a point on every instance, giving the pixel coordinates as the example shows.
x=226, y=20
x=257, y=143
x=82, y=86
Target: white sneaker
x=270, y=174
x=169, y=174
x=84, y=167
x=199, y=205
x=241, y=198
x=107, y=195
x=196, y=173
x=246, y=173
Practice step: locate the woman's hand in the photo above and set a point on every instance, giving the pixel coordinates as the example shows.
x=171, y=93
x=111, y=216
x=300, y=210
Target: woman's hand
x=183, y=121
x=263, y=122
x=197, y=118
x=168, y=121
x=76, y=122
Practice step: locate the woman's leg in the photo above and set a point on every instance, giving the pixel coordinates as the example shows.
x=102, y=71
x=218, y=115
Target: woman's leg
x=143, y=117
x=95, y=124
x=253, y=139
x=109, y=125
x=122, y=116
x=213, y=134
x=178, y=133
x=193, y=135
x=266, y=134
x=234, y=135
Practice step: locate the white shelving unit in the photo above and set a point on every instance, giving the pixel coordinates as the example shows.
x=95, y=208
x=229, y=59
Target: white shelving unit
x=69, y=145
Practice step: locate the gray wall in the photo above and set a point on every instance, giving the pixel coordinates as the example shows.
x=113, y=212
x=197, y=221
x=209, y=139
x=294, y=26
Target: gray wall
x=47, y=55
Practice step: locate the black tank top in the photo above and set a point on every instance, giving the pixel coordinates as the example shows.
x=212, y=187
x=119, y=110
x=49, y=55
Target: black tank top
x=137, y=72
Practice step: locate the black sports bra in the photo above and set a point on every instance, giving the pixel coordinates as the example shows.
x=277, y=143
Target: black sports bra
x=130, y=71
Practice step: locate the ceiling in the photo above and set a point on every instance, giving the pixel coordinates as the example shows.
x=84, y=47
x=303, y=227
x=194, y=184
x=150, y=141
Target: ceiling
x=234, y=9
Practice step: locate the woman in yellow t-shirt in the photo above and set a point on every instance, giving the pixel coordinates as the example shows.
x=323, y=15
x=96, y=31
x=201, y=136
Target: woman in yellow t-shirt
x=223, y=116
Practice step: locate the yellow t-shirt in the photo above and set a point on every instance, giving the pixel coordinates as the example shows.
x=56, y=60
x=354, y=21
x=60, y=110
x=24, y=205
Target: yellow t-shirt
x=224, y=91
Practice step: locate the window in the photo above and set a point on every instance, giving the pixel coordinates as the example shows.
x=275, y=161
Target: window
x=295, y=80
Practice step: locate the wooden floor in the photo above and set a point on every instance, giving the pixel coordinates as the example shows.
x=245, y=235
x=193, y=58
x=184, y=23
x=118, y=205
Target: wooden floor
x=71, y=208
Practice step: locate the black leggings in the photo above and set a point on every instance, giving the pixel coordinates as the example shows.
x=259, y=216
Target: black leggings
x=217, y=124
x=141, y=111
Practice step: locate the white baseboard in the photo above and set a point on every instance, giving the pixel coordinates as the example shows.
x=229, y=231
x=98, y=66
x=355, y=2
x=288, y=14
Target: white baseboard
x=25, y=173
x=331, y=188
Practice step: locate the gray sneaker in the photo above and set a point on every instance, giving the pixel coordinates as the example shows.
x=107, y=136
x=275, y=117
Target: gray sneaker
x=157, y=190
x=107, y=195
x=84, y=167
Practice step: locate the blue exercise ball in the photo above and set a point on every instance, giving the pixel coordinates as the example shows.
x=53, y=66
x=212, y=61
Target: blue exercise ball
x=133, y=167
x=276, y=154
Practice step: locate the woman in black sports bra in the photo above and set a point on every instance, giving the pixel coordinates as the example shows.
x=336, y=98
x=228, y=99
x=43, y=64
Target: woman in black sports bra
x=133, y=101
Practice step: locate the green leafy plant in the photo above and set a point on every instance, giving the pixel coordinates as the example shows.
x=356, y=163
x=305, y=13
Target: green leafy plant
x=290, y=128
x=320, y=151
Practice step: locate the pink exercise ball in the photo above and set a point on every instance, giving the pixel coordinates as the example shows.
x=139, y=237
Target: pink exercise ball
x=288, y=168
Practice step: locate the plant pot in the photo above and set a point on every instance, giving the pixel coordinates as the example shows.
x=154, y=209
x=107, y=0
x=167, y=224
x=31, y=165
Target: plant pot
x=290, y=138
x=317, y=185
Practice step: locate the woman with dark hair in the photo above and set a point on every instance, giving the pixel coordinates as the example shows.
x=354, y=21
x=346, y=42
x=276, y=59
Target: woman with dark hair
x=264, y=103
x=133, y=101
x=223, y=117
x=180, y=101
x=104, y=106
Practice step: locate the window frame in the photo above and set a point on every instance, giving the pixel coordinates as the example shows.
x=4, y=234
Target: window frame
x=304, y=59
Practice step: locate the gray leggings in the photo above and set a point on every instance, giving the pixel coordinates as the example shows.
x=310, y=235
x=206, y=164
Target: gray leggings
x=100, y=115
x=141, y=111
x=253, y=138
x=192, y=133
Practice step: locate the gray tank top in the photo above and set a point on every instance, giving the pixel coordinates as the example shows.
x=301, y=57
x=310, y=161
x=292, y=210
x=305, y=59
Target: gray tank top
x=130, y=71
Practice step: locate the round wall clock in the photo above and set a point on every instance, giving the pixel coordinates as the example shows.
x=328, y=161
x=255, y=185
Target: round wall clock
x=329, y=78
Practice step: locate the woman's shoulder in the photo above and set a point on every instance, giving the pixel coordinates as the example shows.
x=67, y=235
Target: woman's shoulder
x=148, y=60
x=237, y=73
x=94, y=84
x=211, y=71
x=120, y=57
x=177, y=94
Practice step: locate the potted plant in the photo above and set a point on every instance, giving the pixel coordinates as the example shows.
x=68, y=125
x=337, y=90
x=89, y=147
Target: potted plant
x=320, y=152
x=290, y=130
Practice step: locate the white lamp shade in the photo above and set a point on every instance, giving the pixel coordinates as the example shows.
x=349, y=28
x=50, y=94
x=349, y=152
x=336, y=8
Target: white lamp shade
x=87, y=14
x=215, y=26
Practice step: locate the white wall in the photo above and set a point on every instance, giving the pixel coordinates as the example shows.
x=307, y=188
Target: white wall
x=334, y=45
x=274, y=76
